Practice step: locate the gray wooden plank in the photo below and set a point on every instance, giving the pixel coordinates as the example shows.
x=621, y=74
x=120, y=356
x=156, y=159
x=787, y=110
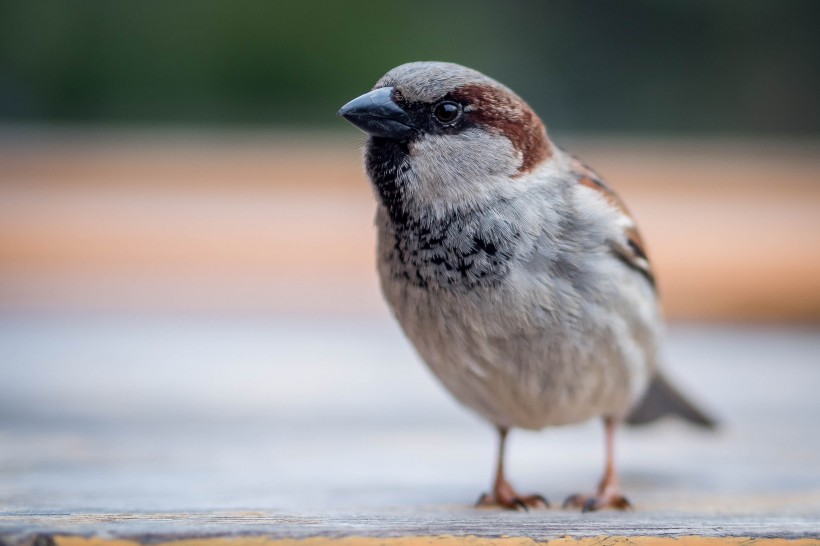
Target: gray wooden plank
x=180, y=427
x=542, y=526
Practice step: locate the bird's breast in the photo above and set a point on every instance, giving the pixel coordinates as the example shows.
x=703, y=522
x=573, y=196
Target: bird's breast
x=459, y=253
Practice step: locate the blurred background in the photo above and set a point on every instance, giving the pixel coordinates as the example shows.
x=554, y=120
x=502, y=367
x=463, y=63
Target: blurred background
x=186, y=242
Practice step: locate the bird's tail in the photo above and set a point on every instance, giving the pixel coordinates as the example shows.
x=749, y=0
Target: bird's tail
x=663, y=399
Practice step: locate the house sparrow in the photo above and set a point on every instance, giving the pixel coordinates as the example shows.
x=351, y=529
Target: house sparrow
x=516, y=272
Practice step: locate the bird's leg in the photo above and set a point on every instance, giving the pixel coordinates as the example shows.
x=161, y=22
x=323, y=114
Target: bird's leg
x=609, y=489
x=503, y=494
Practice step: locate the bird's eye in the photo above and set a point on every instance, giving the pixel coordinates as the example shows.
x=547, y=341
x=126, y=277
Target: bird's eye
x=447, y=112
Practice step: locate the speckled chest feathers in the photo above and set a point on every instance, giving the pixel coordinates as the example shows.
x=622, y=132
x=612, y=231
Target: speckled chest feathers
x=460, y=249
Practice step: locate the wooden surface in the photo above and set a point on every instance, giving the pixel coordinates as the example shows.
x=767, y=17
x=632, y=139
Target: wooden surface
x=431, y=524
x=157, y=428
x=235, y=222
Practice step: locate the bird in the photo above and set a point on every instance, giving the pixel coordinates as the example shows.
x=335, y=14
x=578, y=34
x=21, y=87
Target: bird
x=513, y=268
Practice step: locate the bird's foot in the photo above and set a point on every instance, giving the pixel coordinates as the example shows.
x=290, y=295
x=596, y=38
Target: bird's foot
x=523, y=502
x=504, y=496
x=591, y=503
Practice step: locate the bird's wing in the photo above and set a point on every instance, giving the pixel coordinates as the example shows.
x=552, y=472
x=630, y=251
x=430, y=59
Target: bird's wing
x=630, y=247
x=661, y=398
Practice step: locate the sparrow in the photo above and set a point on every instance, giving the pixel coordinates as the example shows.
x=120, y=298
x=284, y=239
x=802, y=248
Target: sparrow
x=516, y=272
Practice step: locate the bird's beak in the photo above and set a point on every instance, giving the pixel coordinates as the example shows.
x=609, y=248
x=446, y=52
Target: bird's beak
x=378, y=115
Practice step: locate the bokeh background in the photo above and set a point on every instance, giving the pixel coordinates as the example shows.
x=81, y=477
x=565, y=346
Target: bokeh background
x=186, y=231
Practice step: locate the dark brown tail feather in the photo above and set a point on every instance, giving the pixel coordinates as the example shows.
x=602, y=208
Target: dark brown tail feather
x=662, y=399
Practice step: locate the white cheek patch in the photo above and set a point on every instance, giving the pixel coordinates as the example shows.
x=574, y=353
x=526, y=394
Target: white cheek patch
x=463, y=168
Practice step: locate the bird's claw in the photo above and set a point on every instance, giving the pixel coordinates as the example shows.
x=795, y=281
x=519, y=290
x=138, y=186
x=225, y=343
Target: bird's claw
x=521, y=503
x=592, y=503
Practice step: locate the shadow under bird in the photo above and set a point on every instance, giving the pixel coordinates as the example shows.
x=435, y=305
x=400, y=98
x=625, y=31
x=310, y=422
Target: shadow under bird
x=516, y=272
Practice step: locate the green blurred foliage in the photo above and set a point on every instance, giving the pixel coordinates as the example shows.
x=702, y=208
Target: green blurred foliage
x=633, y=65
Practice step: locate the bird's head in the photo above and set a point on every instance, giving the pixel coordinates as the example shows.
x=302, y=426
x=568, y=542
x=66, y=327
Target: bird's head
x=446, y=136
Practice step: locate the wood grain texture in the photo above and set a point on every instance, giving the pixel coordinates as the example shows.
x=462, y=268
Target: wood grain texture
x=413, y=529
